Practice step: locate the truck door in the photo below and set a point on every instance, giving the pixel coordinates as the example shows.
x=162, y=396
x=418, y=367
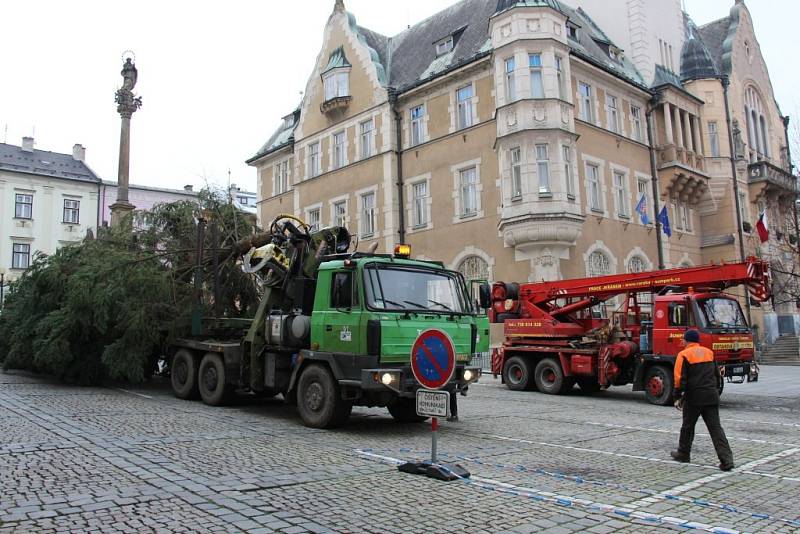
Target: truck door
x=341, y=330
x=672, y=319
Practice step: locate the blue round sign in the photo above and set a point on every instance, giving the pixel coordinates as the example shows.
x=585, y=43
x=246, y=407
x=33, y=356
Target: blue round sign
x=433, y=358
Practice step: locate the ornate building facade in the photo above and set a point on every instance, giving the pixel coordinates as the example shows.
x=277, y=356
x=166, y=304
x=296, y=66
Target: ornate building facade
x=512, y=140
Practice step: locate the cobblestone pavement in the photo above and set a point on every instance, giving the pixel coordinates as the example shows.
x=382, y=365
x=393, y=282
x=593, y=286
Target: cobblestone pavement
x=137, y=460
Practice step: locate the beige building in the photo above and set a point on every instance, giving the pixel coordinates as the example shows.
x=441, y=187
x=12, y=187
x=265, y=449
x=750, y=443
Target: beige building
x=509, y=139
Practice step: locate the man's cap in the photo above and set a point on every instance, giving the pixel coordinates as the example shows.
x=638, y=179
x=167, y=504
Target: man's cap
x=692, y=336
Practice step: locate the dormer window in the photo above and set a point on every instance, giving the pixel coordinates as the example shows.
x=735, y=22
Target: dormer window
x=444, y=46
x=288, y=121
x=572, y=32
x=337, y=83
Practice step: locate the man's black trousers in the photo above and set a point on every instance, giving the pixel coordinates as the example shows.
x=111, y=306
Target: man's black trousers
x=710, y=415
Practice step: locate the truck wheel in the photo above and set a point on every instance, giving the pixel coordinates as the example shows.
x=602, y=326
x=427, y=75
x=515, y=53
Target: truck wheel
x=549, y=376
x=658, y=385
x=318, y=399
x=517, y=374
x=589, y=385
x=183, y=374
x=405, y=411
x=211, y=380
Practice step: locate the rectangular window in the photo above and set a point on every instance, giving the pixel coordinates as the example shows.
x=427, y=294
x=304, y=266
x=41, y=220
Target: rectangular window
x=21, y=257
x=511, y=86
x=314, y=168
x=560, y=76
x=621, y=194
x=338, y=150
x=420, y=206
x=340, y=213
x=367, y=214
x=469, y=192
x=677, y=220
x=593, y=177
x=636, y=119
x=566, y=156
x=643, y=188
x=417, y=125
x=72, y=211
x=281, y=178
x=587, y=107
x=743, y=211
x=342, y=290
x=443, y=47
x=686, y=215
x=464, y=97
x=543, y=168
x=537, y=84
x=516, y=173
x=713, y=139
x=24, y=206
x=367, y=128
x=613, y=113
x=336, y=84
x=313, y=220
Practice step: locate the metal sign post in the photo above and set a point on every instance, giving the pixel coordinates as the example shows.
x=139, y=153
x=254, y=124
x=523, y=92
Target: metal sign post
x=433, y=362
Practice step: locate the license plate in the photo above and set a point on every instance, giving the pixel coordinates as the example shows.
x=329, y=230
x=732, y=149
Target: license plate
x=433, y=403
x=738, y=371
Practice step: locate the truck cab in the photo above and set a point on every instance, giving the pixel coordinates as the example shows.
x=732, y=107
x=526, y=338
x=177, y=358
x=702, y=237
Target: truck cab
x=720, y=321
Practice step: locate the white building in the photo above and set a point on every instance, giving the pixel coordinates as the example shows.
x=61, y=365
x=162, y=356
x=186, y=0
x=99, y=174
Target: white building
x=142, y=196
x=244, y=200
x=47, y=199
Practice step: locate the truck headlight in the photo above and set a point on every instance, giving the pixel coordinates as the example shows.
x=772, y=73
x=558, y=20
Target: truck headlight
x=387, y=379
x=471, y=375
x=468, y=375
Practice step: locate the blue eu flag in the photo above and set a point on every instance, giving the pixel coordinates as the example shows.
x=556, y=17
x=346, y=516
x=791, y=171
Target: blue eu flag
x=663, y=218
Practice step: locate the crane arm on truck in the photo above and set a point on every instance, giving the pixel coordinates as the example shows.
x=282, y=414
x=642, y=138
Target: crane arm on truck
x=556, y=299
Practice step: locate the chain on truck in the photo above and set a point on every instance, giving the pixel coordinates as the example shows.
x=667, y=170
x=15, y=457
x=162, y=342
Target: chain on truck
x=557, y=334
x=333, y=329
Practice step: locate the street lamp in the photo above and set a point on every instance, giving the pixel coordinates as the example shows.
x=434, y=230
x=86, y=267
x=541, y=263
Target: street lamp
x=2, y=285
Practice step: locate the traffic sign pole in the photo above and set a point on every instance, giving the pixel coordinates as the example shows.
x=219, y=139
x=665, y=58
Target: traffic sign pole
x=434, y=428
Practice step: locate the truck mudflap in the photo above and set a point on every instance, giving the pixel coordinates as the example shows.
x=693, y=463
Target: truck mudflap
x=401, y=381
x=737, y=373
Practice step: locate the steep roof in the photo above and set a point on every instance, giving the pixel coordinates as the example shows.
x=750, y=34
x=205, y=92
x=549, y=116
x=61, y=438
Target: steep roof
x=282, y=137
x=713, y=36
x=696, y=60
x=45, y=163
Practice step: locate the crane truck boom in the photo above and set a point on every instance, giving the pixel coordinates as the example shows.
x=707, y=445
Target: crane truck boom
x=557, y=334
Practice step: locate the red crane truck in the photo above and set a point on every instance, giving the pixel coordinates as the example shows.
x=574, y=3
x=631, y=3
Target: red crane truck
x=557, y=334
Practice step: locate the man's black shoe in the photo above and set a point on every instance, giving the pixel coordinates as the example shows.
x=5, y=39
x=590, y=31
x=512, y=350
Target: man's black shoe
x=726, y=467
x=679, y=457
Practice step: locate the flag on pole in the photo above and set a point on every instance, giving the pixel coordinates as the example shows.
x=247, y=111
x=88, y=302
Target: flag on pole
x=762, y=228
x=641, y=209
x=663, y=218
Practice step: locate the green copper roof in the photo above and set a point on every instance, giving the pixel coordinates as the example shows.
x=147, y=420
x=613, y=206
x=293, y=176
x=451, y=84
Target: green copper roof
x=337, y=60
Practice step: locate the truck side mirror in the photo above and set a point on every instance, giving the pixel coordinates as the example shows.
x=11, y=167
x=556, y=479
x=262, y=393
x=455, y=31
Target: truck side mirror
x=484, y=296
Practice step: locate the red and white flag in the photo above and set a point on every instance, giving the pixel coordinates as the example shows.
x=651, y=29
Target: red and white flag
x=762, y=228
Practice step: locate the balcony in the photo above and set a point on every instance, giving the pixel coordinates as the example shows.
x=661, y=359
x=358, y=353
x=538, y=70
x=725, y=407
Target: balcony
x=669, y=155
x=335, y=104
x=770, y=179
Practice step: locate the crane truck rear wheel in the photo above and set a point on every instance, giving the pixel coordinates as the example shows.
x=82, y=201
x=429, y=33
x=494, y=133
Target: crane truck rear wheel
x=319, y=400
x=211, y=380
x=550, y=378
x=658, y=385
x=405, y=411
x=517, y=374
x=183, y=374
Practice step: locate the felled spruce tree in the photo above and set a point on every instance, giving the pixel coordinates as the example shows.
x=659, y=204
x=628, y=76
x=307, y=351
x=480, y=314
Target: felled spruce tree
x=103, y=308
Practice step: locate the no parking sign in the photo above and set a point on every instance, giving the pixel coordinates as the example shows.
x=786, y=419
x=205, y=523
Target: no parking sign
x=433, y=358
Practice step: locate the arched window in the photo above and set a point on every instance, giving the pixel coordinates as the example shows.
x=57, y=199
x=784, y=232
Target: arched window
x=757, y=127
x=599, y=265
x=474, y=268
x=637, y=264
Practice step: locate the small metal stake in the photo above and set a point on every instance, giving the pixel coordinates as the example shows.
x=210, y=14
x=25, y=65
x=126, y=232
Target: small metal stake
x=434, y=428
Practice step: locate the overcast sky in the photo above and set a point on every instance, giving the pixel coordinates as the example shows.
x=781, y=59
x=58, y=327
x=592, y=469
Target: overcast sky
x=217, y=77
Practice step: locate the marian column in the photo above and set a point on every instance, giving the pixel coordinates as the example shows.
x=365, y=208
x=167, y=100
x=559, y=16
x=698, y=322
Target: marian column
x=127, y=104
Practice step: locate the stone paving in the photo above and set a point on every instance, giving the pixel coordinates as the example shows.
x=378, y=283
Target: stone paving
x=139, y=460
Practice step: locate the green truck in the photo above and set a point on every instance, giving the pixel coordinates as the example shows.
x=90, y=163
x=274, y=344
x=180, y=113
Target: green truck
x=334, y=329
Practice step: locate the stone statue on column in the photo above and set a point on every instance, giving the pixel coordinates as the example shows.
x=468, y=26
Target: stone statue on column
x=127, y=104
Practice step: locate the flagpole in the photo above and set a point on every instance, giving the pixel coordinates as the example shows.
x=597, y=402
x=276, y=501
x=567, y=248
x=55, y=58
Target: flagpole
x=654, y=180
x=725, y=83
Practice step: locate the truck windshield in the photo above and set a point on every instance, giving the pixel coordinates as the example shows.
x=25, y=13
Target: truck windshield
x=414, y=289
x=722, y=313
